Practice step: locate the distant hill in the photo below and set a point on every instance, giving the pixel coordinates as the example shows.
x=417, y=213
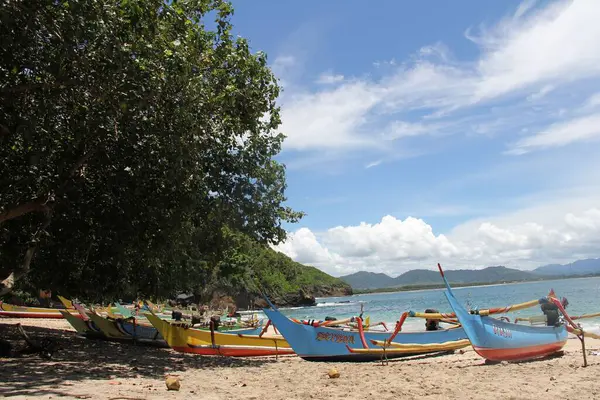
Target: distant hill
x=489, y=274
x=370, y=280
x=579, y=267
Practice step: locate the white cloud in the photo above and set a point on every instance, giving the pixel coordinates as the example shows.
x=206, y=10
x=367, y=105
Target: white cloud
x=373, y=164
x=559, y=43
x=329, y=119
x=524, y=7
x=593, y=101
x=529, y=56
x=560, y=134
x=329, y=78
x=282, y=66
x=395, y=245
x=541, y=93
x=535, y=86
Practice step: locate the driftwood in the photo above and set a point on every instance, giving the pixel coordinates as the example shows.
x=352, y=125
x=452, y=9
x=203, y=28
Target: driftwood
x=44, y=347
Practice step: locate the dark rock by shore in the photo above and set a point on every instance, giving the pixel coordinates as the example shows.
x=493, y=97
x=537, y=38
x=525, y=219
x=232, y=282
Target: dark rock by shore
x=304, y=297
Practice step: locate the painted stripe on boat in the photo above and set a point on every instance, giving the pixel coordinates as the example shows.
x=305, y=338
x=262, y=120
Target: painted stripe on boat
x=232, y=351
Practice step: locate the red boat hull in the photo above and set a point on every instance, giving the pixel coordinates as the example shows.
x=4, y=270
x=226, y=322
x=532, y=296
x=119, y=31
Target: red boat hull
x=520, y=353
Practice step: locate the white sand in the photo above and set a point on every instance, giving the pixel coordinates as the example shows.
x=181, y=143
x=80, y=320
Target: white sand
x=104, y=370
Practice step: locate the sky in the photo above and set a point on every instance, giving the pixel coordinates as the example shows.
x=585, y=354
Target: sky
x=418, y=132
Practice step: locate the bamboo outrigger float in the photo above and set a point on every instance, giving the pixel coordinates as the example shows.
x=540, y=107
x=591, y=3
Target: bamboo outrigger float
x=484, y=312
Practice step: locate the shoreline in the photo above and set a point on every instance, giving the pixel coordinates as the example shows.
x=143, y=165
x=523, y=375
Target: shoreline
x=92, y=369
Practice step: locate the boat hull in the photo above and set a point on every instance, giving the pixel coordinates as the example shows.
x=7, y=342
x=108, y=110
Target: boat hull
x=240, y=344
x=521, y=353
x=12, y=311
x=497, y=340
x=330, y=344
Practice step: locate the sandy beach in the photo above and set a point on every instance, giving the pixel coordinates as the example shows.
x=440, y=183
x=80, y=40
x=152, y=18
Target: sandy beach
x=94, y=369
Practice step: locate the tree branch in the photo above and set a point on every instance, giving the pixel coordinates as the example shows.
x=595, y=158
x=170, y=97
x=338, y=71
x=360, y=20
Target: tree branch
x=37, y=205
x=40, y=204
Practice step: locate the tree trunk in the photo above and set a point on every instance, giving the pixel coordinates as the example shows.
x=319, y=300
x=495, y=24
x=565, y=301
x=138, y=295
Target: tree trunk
x=6, y=286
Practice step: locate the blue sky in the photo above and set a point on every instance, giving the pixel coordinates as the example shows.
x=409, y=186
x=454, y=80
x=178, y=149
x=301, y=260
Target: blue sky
x=425, y=131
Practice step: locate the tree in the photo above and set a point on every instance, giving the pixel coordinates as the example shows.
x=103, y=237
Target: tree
x=129, y=135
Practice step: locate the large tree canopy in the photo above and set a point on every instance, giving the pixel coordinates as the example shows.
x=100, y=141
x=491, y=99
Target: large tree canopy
x=131, y=136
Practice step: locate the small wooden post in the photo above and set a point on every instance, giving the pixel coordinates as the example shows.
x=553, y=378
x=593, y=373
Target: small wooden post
x=582, y=338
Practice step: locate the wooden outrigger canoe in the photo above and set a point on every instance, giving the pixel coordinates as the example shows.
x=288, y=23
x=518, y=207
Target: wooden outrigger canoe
x=83, y=325
x=243, y=343
x=12, y=311
x=323, y=343
x=127, y=330
x=497, y=340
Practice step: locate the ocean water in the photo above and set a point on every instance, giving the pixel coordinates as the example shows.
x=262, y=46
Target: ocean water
x=583, y=295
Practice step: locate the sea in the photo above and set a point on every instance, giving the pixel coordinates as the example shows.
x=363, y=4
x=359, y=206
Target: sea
x=583, y=295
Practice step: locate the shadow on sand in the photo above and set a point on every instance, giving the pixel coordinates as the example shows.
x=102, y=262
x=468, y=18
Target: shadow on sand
x=78, y=359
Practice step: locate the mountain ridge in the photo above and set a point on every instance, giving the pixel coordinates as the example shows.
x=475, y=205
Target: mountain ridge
x=492, y=274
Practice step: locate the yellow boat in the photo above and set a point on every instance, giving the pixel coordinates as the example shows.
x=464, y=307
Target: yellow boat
x=240, y=344
x=12, y=311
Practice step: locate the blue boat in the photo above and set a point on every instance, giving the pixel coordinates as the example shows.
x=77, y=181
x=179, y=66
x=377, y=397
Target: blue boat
x=498, y=340
x=319, y=343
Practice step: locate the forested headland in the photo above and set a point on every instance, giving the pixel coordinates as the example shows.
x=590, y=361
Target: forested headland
x=137, y=155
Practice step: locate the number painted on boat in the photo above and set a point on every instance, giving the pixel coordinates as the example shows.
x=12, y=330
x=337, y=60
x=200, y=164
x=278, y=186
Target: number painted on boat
x=507, y=333
x=335, y=337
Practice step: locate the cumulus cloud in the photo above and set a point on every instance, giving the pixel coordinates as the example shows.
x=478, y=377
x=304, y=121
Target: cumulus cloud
x=529, y=56
x=394, y=245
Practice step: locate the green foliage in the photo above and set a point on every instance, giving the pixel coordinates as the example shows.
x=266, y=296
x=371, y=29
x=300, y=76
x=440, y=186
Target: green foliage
x=258, y=268
x=130, y=136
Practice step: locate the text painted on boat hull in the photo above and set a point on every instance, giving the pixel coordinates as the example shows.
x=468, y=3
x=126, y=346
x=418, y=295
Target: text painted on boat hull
x=506, y=333
x=335, y=337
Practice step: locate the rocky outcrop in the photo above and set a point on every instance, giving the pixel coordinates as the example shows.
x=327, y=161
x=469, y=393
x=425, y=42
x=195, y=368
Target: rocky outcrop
x=330, y=290
x=305, y=297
